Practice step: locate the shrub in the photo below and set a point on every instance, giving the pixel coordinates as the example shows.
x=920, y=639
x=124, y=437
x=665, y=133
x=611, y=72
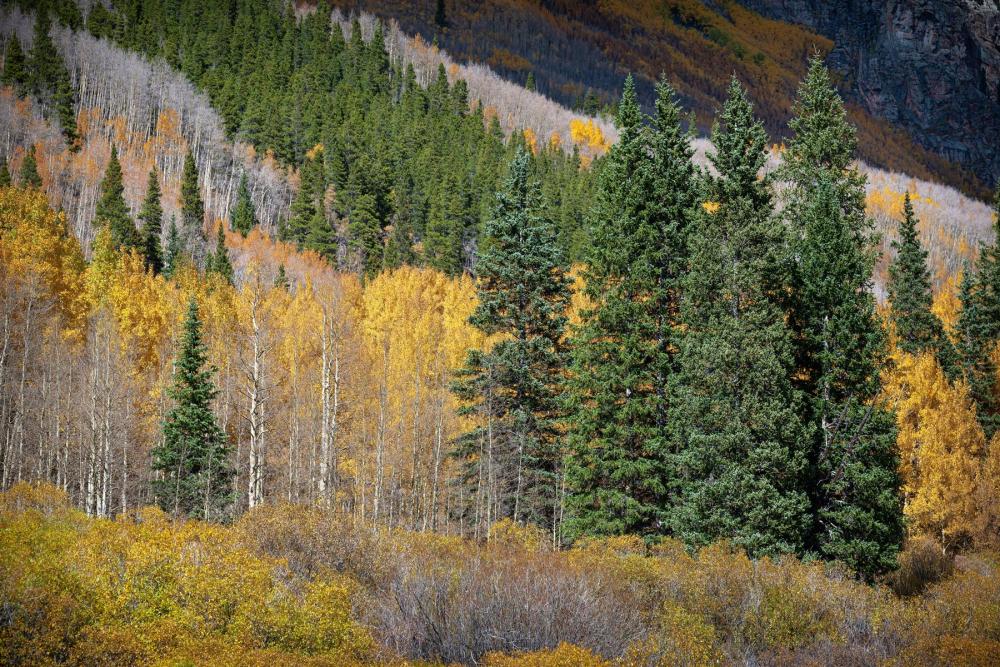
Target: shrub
x=922, y=562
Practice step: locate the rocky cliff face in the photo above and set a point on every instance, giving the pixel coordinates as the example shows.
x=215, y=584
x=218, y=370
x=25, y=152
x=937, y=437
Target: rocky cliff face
x=929, y=66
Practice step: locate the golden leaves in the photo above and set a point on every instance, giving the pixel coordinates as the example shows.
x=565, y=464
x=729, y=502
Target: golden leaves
x=940, y=447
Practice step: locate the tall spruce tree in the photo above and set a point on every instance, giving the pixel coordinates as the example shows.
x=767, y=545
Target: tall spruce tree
x=366, y=234
x=112, y=212
x=978, y=329
x=195, y=476
x=151, y=217
x=175, y=250
x=743, y=457
x=15, y=67
x=244, y=217
x=621, y=477
x=523, y=291
x=28, y=176
x=48, y=78
x=918, y=329
x=321, y=237
x=839, y=341
x=192, y=206
x=219, y=262
x=5, y=179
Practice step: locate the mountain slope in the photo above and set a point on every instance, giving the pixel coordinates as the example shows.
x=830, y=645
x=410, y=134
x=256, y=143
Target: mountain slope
x=930, y=66
x=578, y=53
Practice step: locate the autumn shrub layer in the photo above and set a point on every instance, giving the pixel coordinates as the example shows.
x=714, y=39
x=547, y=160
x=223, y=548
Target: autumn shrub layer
x=291, y=584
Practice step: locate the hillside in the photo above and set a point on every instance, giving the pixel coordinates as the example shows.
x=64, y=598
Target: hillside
x=932, y=68
x=578, y=53
x=318, y=347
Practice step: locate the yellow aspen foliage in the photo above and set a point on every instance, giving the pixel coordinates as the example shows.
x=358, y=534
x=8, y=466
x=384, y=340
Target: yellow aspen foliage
x=315, y=151
x=564, y=655
x=940, y=446
x=531, y=139
x=889, y=202
x=684, y=638
x=587, y=134
x=144, y=309
x=947, y=305
x=39, y=257
x=711, y=207
x=988, y=494
x=578, y=301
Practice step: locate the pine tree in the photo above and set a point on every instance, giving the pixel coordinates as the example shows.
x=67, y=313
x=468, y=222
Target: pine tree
x=743, y=447
x=175, y=250
x=244, y=218
x=151, y=217
x=978, y=330
x=445, y=228
x=516, y=386
x=112, y=212
x=838, y=339
x=28, y=175
x=304, y=206
x=917, y=328
x=281, y=279
x=48, y=78
x=366, y=234
x=15, y=68
x=195, y=477
x=620, y=474
x=320, y=238
x=5, y=179
x=192, y=207
x=219, y=262
x=399, y=247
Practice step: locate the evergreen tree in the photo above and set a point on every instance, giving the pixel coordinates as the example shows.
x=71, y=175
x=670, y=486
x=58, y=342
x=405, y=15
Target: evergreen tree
x=399, y=247
x=445, y=228
x=15, y=68
x=219, y=262
x=100, y=22
x=5, y=179
x=29, y=176
x=195, y=476
x=620, y=475
x=743, y=446
x=175, y=250
x=244, y=217
x=366, y=235
x=112, y=212
x=320, y=237
x=305, y=205
x=48, y=78
x=151, y=217
x=192, y=207
x=281, y=279
x=839, y=342
x=523, y=294
x=918, y=329
x=978, y=330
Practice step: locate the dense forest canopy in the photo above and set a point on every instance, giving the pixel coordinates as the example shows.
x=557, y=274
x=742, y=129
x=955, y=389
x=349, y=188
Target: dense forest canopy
x=653, y=403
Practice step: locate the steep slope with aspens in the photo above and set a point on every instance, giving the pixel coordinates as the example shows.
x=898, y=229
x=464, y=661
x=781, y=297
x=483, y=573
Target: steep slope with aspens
x=578, y=53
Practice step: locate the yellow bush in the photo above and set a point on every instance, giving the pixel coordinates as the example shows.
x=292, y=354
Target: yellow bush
x=509, y=534
x=564, y=655
x=684, y=640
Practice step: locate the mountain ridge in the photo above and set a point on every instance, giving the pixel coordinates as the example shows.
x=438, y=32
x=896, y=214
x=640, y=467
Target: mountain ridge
x=579, y=52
